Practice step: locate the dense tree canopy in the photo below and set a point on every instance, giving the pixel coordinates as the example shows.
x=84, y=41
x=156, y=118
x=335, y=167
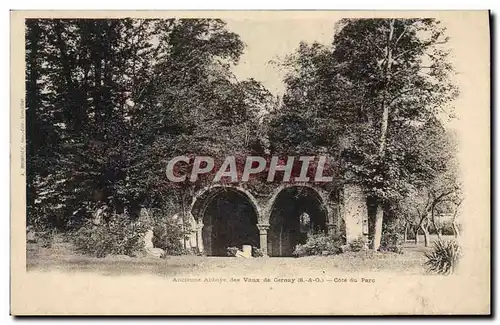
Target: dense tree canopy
x=109, y=102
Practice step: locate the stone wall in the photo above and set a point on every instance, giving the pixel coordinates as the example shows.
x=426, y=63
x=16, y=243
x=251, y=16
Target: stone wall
x=355, y=211
x=346, y=215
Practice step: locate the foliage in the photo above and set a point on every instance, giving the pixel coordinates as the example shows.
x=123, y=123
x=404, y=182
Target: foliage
x=43, y=237
x=169, y=235
x=316, y=244
x=257, y=252
x=308, y=121
x=359, y=244
x=446, y=228
x=444, y=257
x=233, y=250
x=374, y=100
x=346, y=87
x=118, y=235
x=80, y=76
x=392, y=238
x=109, y=100
x=440, y=194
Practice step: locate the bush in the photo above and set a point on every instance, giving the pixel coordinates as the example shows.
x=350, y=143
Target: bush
x=118, y=235
x=316, y=244
x=169, y=235
x=444, y=257
x=179, y=251
x=393, y=249
x=447, y=229
x=257, y=252
x=43, y=237
x=358, y=244
x=391, y=241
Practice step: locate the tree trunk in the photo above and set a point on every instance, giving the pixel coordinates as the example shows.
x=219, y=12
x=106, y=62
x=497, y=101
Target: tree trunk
x=71, y=107
x=383, y=133
x=454, y=222
x=405, y=238
x=377, y=236
x=425, y=230
x=385, y=107
x=455, y=229
x=416, y=235
x=434, y=223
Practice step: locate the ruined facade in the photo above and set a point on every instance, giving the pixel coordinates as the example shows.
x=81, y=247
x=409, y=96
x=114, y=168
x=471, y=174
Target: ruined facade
x=222, y=216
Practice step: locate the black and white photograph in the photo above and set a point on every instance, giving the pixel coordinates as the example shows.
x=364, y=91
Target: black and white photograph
x=245, y=155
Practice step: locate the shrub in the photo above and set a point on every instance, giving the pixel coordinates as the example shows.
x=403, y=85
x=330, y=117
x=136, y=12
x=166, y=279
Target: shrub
x=392, y=241
x=358, y=244
x=447, y=229
x=444, y=257
x=169, y=235
x=392, y=235
x=394, y=249
x=179, y=251
x=118, y=235
x=257, y=252
x=43, y=237
x=316, y=244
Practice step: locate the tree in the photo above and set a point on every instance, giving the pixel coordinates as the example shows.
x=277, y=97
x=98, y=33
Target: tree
x=436, y=188
x=116, y=98
x=378, y=83
x=311, y=114
x=193, y=104
x=399, y=70
x=85, y=71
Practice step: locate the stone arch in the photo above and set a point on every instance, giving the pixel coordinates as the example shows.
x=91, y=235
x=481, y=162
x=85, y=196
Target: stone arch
x=226, y=216
x=202, y=198
x=294, y=215
x=320, y=194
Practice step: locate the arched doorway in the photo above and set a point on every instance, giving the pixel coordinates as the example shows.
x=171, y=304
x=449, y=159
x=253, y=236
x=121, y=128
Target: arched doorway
x=229, y=219
x=297, y=212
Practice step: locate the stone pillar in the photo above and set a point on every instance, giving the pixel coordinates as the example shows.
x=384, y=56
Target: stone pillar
x=207, y=246
x=331, y=225
x=199, y=237
x=355, y=211
x=377, y=235
x=263, y=228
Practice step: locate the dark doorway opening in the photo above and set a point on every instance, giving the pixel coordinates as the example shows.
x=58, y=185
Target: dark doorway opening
x=229, y=220
x=297, y=213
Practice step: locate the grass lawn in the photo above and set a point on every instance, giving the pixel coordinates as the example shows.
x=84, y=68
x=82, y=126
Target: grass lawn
x=61, y=258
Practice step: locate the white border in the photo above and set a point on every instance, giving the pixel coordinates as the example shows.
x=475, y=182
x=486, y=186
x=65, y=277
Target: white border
x=178, y=5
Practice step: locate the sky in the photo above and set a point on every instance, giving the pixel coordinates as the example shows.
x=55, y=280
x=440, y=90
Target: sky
x=272, y=40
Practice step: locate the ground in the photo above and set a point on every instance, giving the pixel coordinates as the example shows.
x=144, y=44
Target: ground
x=60, y=258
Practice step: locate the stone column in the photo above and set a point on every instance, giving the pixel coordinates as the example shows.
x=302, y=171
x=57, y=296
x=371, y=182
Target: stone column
x=207, y=231
x=263, y=228
x=377, y=236
x=199, y=237
x=354, y=210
